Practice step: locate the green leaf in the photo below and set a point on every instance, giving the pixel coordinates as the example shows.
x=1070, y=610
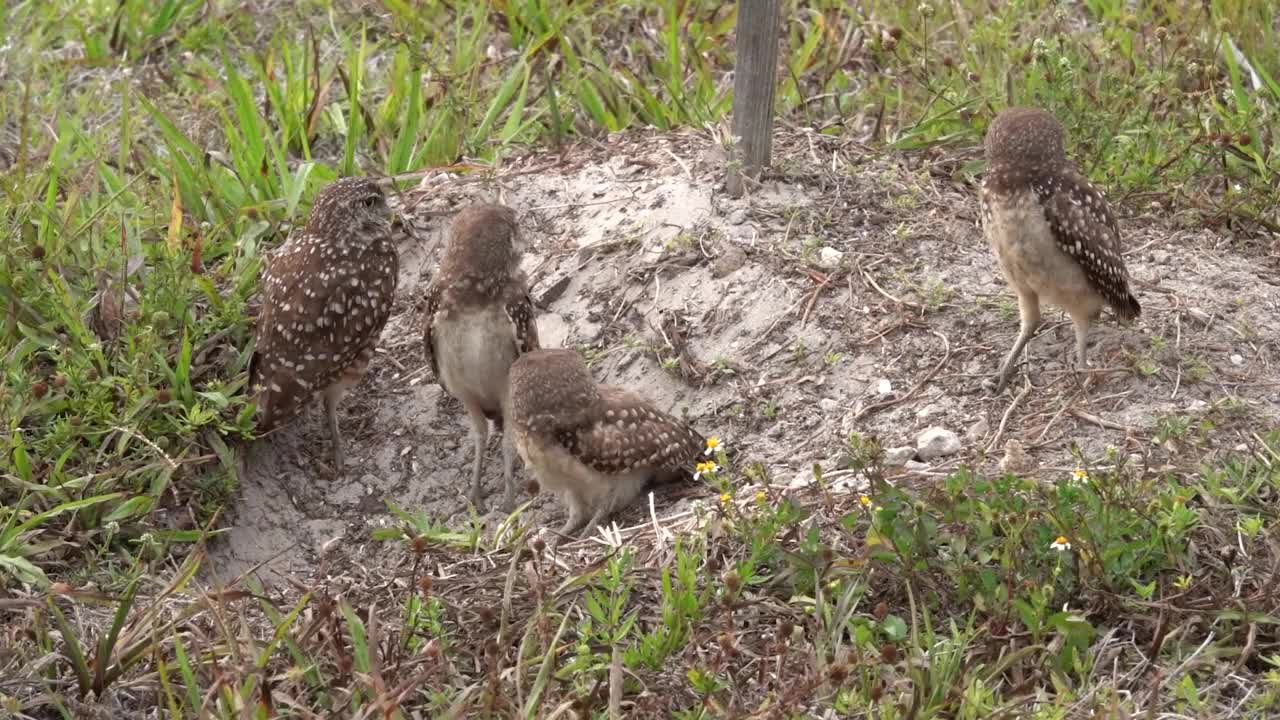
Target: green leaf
x=139, y=505
x=402, y=152
x=108, y=642
x=74, y=653
x=21, y=461
x=590, y=98
x=518, y=76
x=354, y=117
x=543, y=678
x=295, y=186
x=359, y=643
x=40, y=518
x=24, y=571
x=894, y=627
x=515, y=122
x=188, y=674
x=281, y=631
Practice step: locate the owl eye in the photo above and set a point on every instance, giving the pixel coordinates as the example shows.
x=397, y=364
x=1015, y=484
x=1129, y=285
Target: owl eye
x=371, y=201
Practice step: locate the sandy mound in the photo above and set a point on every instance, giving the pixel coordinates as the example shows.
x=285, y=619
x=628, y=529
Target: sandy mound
x=845, y=294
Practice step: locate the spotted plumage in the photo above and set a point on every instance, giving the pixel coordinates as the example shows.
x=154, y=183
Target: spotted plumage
x=326, y=296
x=596, y=446
x=477, y=319
x=1053, y=233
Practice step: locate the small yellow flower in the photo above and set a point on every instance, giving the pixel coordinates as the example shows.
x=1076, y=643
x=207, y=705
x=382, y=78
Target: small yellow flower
x=705, y=468
x=1079, y=475
x=725, y=498
x=864, y=500
x=761, y=497
x=713, y=444
x=1062, y=544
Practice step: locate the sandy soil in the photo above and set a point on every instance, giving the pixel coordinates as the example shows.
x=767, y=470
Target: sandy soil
x=847, y=293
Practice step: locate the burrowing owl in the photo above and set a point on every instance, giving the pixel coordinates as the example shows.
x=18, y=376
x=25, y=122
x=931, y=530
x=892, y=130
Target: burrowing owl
x=596, y=446
x=478, y=319
x=1052, y=231
x=327, y=294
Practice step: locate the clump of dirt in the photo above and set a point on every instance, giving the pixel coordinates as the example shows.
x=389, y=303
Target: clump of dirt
x=846, y=293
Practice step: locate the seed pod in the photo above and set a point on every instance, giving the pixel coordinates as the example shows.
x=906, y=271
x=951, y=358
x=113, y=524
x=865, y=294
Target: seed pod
x=889, y=653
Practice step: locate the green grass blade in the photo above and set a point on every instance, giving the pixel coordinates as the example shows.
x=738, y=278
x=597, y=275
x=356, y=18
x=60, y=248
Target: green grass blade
x=517, y=78
x=108, y=642
x=188, y=674
x=74, y=653
x=543, y=679
x=402, y=151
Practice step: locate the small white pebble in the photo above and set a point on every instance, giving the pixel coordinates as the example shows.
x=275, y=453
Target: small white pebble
x=937, y=442
x=829, y=257
x=1237, y=359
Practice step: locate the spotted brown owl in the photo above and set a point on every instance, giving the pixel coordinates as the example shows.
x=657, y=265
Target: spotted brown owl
x=326, y=296
x=1052, y=232
x=478, y=318
x=596, y=446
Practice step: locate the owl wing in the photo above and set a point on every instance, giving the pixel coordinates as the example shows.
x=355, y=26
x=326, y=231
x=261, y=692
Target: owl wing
x=634, y=434
x=431, y=305
x=520, y=311
x=314, y=325
x=1085, y=228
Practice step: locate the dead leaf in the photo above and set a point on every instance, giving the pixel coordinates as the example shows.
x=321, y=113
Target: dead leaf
x=175, y=218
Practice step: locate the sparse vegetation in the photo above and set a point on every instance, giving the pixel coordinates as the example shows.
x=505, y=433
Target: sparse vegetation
x=151, y=152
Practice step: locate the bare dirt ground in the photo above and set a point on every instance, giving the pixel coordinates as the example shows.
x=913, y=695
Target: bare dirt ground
x=847, y=293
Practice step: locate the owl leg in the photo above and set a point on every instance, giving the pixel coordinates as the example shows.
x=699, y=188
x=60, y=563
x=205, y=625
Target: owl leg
x=1029, y=311
x=576, y=517
x=508, y=471
x=263, y=397
x=1081, y=320
x=600, y=515
x=624, y=492
x=480, y=436
x=331, y=398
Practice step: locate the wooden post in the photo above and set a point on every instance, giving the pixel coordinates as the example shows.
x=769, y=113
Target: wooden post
x=755, y=69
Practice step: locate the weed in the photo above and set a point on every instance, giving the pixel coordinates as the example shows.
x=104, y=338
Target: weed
x=799, y=351
x=1196, y=368
x=770, y=409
